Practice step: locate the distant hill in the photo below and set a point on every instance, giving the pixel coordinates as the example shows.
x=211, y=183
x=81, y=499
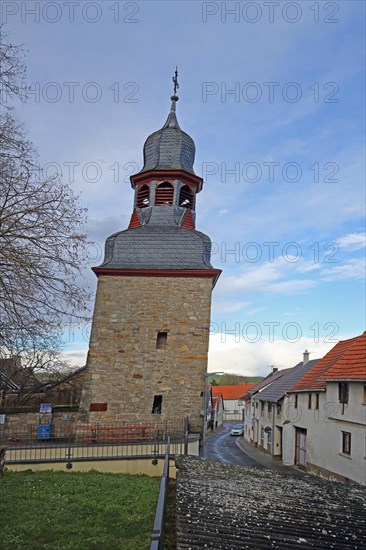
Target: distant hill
x=228, y=379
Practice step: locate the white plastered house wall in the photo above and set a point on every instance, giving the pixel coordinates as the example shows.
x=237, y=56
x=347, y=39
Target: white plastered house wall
x=324, y=427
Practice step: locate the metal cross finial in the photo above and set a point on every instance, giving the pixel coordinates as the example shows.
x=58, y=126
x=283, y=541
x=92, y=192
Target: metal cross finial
x=175, y=80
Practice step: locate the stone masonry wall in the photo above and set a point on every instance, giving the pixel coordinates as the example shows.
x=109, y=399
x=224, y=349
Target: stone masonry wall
x=125, y=370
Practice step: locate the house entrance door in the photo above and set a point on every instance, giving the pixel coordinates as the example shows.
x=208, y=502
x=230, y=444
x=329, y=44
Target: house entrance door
x=300, y=451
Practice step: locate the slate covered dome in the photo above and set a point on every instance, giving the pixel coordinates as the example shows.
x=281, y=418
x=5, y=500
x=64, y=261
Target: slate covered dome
x=169, y=148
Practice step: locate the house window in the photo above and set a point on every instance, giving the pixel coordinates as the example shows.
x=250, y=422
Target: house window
x=164, y=194
x=269, y=436
x=317, y=401
x=262, y=436
x=364, y=393
x=262, y=406
x=269, y=406
x=309, y=401
x=346, y=443
x=161, y=340
x=156, y=409
x=142, y=200
x=186, y=197
x=279, y=408
x=296, y=401
x=343, y=392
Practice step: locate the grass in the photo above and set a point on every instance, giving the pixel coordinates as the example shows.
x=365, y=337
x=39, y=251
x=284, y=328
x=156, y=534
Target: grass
x=80, y=511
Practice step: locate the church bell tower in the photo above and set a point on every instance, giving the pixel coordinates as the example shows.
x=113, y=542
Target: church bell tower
x=149, y=339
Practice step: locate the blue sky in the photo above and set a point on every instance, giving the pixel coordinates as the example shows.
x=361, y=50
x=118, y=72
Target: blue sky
x=273, y=95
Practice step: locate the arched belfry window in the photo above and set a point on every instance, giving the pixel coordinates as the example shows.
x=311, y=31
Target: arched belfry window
x=143, y=200
x=186, y=197
x=164, y=193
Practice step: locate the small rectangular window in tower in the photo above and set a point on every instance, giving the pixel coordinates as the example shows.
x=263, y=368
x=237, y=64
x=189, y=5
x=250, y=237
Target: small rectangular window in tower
x=161, y=340
x=156, y=409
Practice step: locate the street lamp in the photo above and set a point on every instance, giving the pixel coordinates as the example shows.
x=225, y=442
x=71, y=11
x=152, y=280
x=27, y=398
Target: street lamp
x=205, y=410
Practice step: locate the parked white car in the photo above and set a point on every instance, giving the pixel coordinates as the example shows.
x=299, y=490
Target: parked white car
x=238, y=429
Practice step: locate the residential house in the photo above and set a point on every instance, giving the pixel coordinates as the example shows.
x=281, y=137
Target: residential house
x=327, y=431
x=15, y=380
x=232, y=396
x=217, y=408
x=272, y=407
x=251, y=412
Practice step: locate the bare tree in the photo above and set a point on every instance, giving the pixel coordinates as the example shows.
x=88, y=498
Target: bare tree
x=42, y=236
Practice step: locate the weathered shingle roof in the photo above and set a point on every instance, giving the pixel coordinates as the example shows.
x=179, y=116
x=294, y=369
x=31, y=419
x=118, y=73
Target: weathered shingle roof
x=227, y=507
x=315, y=379
x=158, y=247
x=277, y=389
x=265, y=382
x=7, y=384
x=169, y=148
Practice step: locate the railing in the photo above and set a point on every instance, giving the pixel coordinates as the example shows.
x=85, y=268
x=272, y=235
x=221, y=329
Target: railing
x=77, y=443
x=157, y=537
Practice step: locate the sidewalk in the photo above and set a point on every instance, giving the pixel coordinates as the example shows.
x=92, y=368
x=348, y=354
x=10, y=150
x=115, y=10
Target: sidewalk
x=267, y=460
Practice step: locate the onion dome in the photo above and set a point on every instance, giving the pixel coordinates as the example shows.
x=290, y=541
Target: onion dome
x=169, y=148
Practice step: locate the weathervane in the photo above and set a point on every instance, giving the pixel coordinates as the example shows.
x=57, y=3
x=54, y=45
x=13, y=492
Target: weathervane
x=175, y=80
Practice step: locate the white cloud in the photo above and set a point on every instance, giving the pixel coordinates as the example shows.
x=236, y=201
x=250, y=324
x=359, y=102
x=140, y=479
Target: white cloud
x=228, y=353
x=76, y=357
x=352, y=241
x=224, y=306
x=354, y=269
x=294, y=286
x=267, y=278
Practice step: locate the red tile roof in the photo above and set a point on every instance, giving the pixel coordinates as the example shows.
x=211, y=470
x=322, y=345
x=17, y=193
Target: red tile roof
x=352, y=364
x=232, y=392
x=347, y=360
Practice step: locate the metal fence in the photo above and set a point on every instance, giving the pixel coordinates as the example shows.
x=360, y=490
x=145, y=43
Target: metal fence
x=76, y=442
x=157, y=537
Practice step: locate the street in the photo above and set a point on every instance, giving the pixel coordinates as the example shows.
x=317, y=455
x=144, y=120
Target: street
x=221, y=446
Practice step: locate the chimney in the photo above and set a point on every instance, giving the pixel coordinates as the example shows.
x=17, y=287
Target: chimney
x=274, y=369
x=305, y=356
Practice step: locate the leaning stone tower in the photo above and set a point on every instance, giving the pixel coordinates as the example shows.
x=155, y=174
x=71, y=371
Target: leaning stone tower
x=149, y=339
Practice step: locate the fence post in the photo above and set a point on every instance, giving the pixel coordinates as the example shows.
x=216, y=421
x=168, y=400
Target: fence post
x=2, y=461
x=186, y=432
x=69, y=463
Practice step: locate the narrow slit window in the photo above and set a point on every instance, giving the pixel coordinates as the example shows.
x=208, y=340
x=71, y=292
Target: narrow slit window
x=164, y=194
x=309, y=400
x=161, y=340
x=343, y=392
x=156, y=409
x=186, y=197
x=143, y=197
x=346, y=443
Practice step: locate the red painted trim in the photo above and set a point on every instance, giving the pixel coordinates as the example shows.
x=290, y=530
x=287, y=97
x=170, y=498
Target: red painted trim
x=188, y=222
x=157, y=174
x=117, y=272
x=135, y=222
